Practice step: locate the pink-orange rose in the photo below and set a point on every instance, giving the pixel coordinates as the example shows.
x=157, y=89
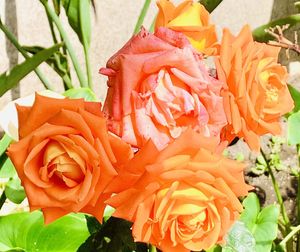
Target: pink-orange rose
x=158, y=86
x=182, y=198
x=65, y=157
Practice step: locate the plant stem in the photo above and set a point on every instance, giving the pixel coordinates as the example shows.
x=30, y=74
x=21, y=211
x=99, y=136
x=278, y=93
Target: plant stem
x=151, y=29
x=278, y=194
x=52, y=29
x=294, y=231
x=2, y=199
x=67, y=42
x=142, y=15
x=14, y=41
x=88, y=65
x=287, y=224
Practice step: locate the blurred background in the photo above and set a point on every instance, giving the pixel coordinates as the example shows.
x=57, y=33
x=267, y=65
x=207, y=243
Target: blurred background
x=113, y=23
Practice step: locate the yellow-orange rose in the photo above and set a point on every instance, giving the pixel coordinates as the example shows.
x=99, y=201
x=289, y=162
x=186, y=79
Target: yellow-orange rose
x=192, y=19
x=255, y=90
x=66, y=156
x=182, y=198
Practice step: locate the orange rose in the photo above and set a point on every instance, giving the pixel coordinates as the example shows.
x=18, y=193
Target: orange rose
x=192, y=19
x=182, y=198
x=255, y=90
x=158, y=86
x=66, y=157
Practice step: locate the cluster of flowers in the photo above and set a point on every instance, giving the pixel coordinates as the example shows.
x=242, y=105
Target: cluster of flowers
x=177, y=188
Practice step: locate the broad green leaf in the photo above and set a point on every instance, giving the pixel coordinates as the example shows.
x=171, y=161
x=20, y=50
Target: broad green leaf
x=26, y=231
x=7, y=169
x=293, y=136
x=239, y=239
x=14, y=191
x=296, y=97
x=262, y=224
x=11, y=78
x=78, y=13
x=260, y=35
x=85, y=93
x=4, y=143
x=210, y=5
x=58, y=61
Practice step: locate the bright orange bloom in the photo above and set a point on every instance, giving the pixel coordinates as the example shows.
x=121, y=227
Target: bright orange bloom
x=159, y=86
x=255, y=90
x=182, y=198
x=192, y=19
x=66, y=156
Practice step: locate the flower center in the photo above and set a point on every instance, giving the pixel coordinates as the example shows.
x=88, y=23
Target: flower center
x=58, y=165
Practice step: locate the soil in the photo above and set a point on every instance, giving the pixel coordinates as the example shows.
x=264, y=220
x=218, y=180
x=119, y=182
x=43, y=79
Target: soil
x=263, y=184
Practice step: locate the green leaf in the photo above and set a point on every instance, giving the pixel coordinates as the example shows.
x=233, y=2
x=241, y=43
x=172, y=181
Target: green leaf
x=56, y=5
x=78, y=13
x=296, y=97
x=293, y=136
x=4, y=143
x=7, y=169
x=239, y=239
x=26, y=232
x=85, y=93
x=210, y=5
x=58, y=62
x=114, y=235
x=11, y=78
x=262, y=224
x=14, y=191
x=260, y=35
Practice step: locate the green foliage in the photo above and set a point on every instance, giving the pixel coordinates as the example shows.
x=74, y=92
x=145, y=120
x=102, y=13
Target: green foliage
x=78, y=13
x=239, y=239
x=112, y=235
x=26, y=232
x=58, y=62
x=210, y=5
x=11, y=78
x=296, y=97
x=260, y=33
x=274, y=161
x=14, y=191
x=4, y=143
x=261, y=223
x=85, y=93
x=7, y=169
x=293, y=135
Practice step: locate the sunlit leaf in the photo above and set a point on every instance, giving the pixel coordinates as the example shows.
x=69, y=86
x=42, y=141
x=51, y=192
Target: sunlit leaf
x=27, y=232
x=78, y=13
x=11, y=78
x=293, y=135
x=85, y=93
x=239, y=239
x=263, y=224
x=14, y=191
x=58, y=61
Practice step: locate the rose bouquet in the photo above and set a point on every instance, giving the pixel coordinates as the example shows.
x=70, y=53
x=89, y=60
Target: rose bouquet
x=151, y=157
